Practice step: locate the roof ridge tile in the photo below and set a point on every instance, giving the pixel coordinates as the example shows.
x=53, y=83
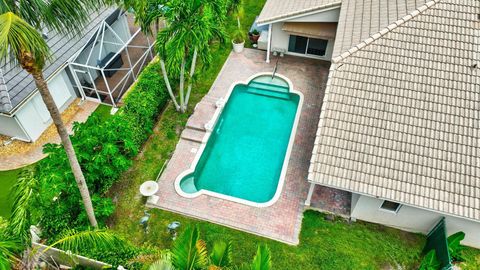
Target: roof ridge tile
x=385, y=31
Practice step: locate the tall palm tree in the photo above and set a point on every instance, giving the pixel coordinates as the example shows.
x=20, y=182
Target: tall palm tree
x=21, y=43
x=191, y=26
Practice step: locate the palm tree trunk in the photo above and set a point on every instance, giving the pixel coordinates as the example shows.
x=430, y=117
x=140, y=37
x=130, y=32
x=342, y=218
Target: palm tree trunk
x=190, y=81
x=67, y=144
x=167, y=83
x=182, y=85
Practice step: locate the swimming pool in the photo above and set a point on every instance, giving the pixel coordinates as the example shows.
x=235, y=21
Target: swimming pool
x=246, y=155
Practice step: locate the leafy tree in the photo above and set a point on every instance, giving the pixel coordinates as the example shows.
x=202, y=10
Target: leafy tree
x=21, y=43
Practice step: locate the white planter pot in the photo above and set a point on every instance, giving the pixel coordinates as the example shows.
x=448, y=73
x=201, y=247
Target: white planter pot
x=238, y=47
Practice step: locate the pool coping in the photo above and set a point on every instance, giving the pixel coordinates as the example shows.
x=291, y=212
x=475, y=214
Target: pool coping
x=209, y=129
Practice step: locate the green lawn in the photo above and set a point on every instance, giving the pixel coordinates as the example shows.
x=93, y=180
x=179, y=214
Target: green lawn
x=103, y=111
x=324, y=244
x=7, y=179
x=472, y=259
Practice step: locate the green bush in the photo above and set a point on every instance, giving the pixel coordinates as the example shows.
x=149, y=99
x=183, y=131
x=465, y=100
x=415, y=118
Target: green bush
x=105, y=149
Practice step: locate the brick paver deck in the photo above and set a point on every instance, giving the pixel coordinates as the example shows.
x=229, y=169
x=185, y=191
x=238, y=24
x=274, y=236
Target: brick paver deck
x=332, y=200
x=282, y=220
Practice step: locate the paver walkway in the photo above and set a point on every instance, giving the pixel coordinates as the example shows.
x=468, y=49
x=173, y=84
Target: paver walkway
x=22, y=154
x=282, y=220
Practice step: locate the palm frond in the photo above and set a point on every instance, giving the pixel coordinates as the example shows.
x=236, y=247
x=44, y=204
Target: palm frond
x=8, y=249
x=189, y=252
x=192, y=25
x=164, y=263
x=221, y=255
x=64, y=16
x=17, y=37
x=75, y=241
x=22, y=192
x=262, y=260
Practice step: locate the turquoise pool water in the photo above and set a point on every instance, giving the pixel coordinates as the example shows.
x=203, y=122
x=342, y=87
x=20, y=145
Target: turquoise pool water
x=245, y=153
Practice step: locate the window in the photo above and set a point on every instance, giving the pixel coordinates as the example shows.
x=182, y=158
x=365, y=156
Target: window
x=390, y=206
x=308, y=46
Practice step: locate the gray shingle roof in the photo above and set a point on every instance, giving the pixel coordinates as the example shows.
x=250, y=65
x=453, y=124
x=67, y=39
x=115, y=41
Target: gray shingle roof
x=359, y=19
x=20, y=85
x=279, y=9
x=401, y=114
x=5, y=103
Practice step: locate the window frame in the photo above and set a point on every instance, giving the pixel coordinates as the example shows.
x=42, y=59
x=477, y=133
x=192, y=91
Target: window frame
x=389, y=210
x=305, y=53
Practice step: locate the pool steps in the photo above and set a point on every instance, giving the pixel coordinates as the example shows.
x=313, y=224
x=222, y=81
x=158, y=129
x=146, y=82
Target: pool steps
x=268, y=93
x=269, y=86
x=188, y=185
x=193, y=135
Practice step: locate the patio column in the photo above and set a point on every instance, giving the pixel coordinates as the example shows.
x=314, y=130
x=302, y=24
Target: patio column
x=269, y=43
x=310, y=193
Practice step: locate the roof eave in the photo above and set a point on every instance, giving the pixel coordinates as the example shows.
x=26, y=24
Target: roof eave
x=298, y=14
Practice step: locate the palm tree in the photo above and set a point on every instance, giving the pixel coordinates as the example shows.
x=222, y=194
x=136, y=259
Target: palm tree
x=191, y=26
x=27, y=257
x=21, y=43
x=189, y=252
x=148, y=13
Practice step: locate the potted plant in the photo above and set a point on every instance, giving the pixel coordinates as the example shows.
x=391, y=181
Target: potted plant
x=238, y=40
x=254, y=36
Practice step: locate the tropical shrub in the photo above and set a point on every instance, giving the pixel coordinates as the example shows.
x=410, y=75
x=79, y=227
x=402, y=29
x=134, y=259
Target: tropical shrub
x=105, y=149
x=430, y=261
x=189, y=251
x=454, y=247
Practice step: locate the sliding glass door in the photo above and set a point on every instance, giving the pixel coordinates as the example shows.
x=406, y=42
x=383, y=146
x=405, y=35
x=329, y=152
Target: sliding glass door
x=307, y=46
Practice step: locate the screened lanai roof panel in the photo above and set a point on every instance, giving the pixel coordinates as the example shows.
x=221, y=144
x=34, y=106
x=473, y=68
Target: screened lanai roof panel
x=19, y=83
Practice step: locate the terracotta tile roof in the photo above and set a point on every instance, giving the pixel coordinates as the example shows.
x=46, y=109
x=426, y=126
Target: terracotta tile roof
x=401, y=114
x=279, y=9
x=360, y=19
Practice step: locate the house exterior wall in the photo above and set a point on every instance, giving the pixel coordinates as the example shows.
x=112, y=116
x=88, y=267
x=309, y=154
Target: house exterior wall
x=34, y=116
x=413, y=219
x=11, y=128
x=280, y=38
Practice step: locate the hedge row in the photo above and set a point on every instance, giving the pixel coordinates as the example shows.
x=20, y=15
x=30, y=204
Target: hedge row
x=105, y=149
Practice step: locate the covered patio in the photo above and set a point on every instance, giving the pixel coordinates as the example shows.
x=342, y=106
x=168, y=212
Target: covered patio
x=282, y=220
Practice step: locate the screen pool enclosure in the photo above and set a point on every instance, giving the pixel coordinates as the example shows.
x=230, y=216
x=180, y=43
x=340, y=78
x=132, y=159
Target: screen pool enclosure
x=111, y=60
